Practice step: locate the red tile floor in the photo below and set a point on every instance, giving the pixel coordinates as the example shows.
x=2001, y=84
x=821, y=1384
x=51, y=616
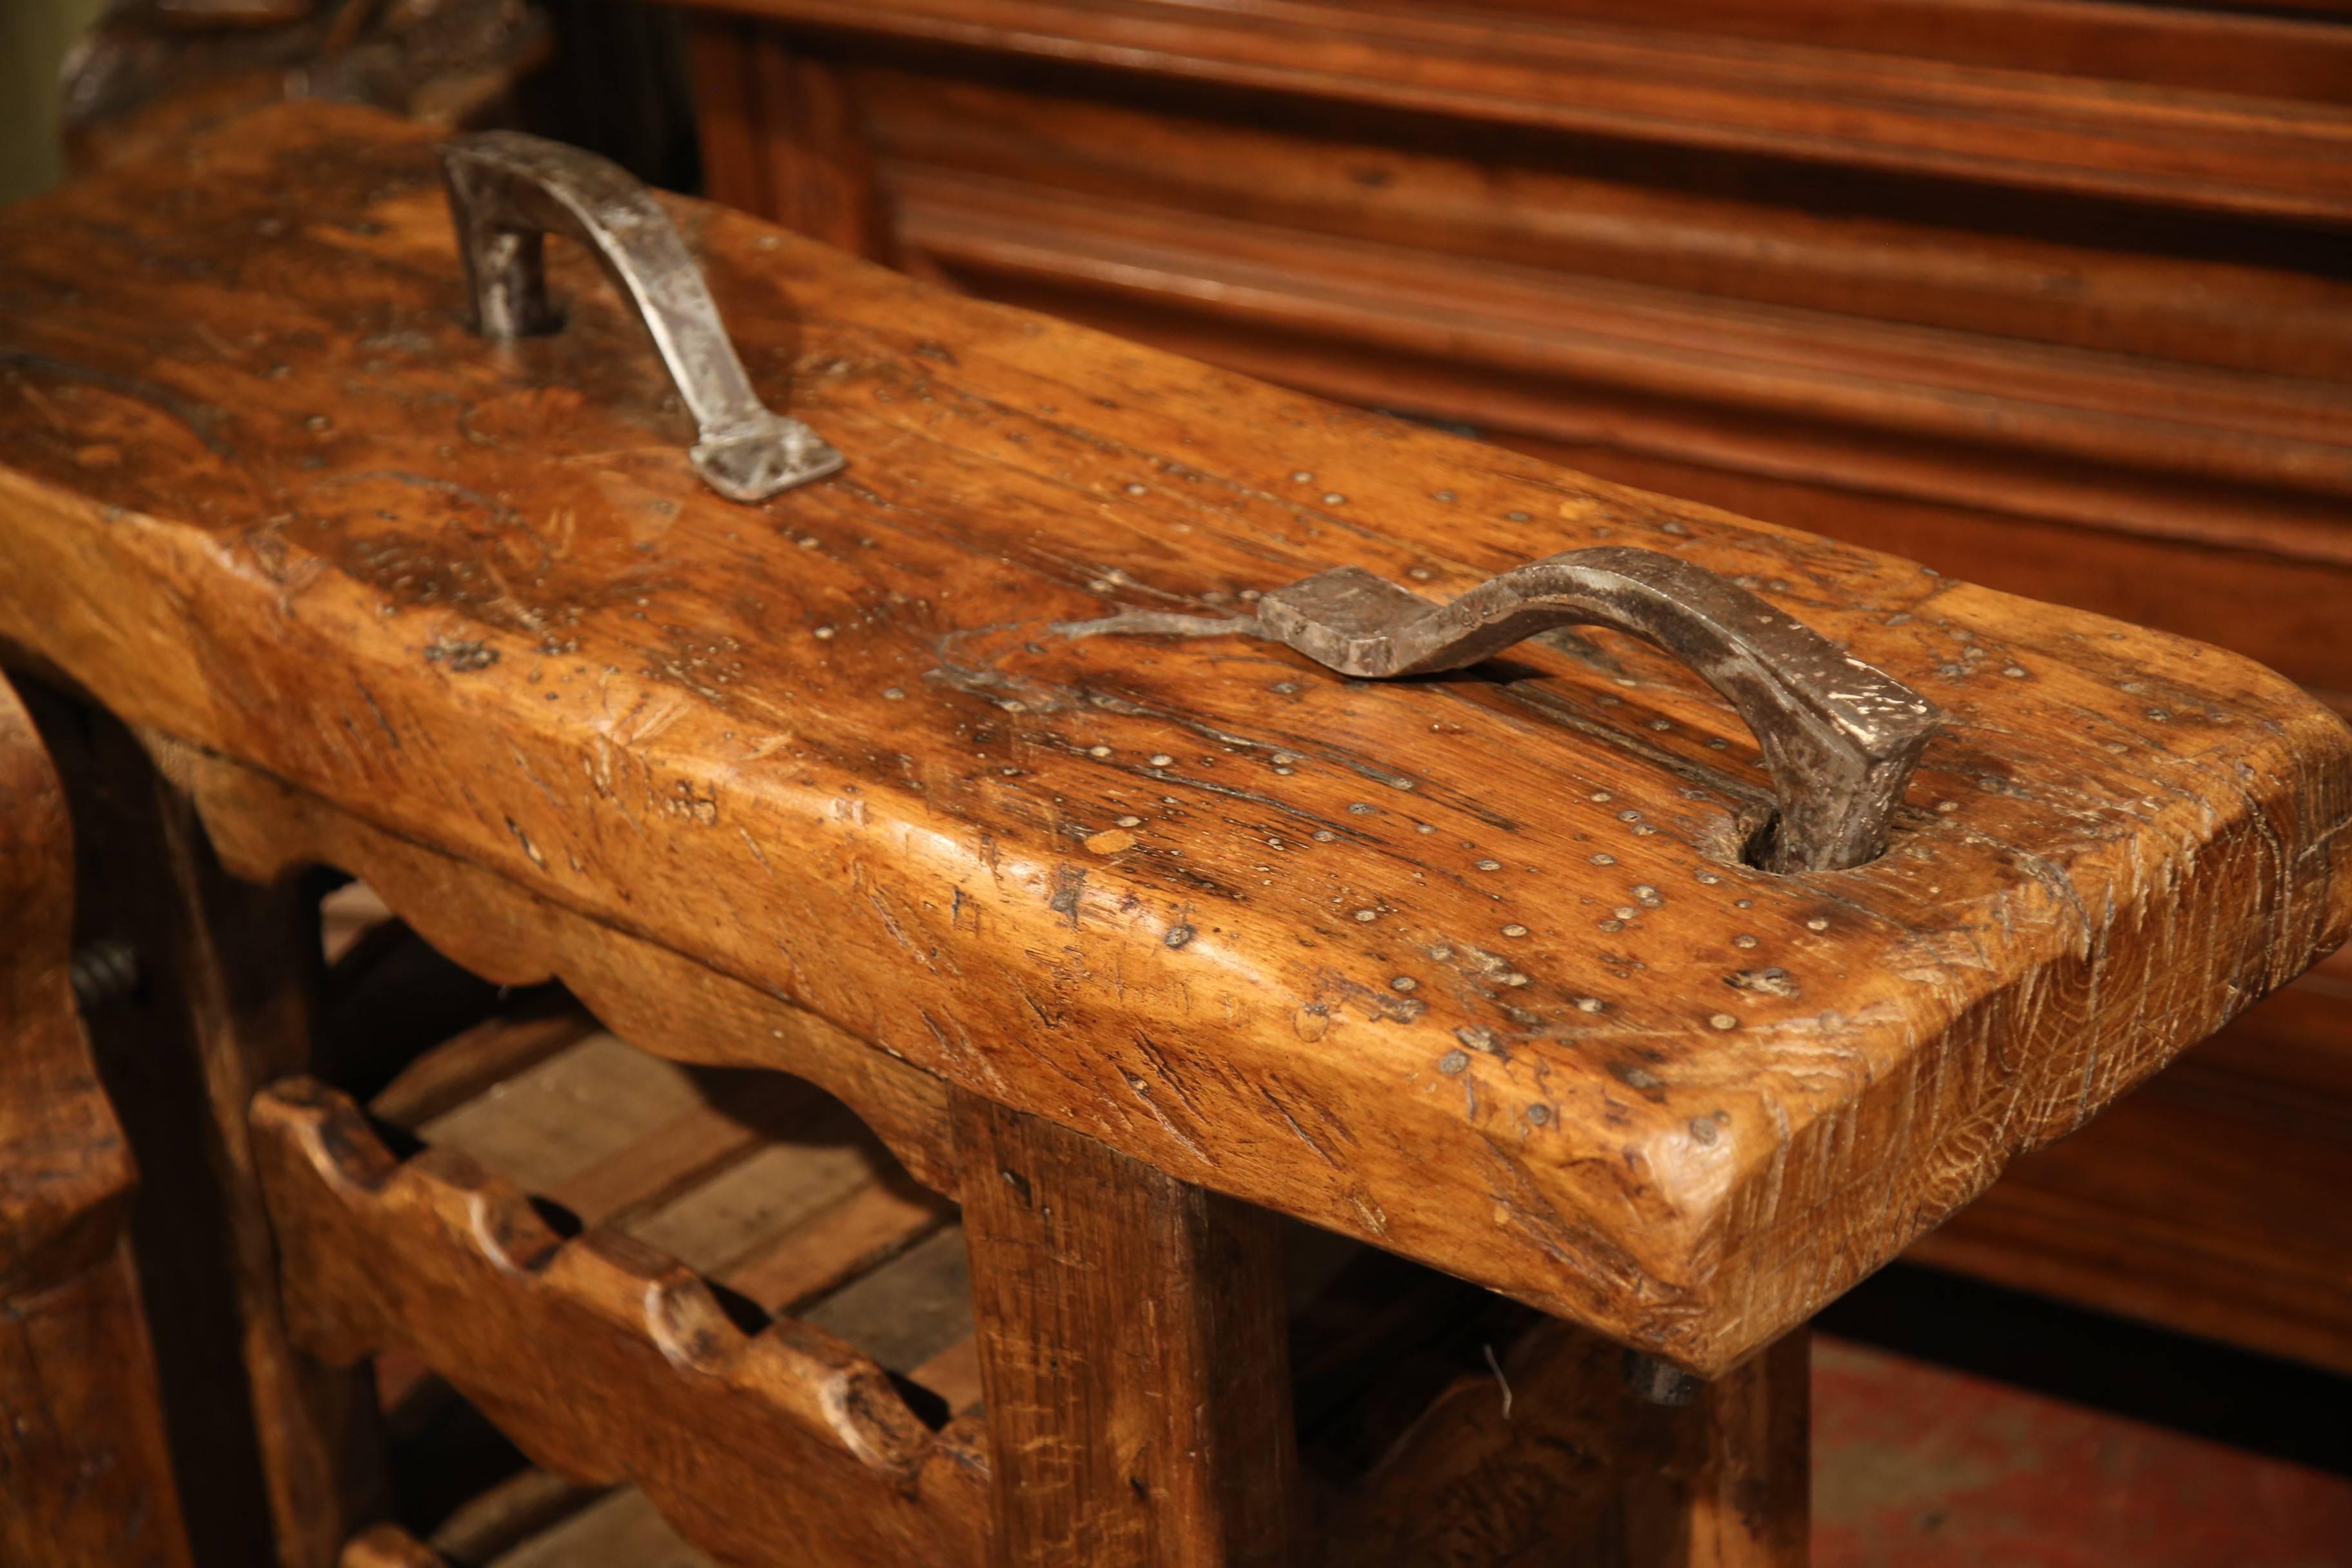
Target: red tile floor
x=1918, y=1466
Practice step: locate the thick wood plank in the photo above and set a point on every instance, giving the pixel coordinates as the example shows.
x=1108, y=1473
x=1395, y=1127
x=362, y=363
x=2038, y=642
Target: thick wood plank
x=2209, y=1201
x=526, y=1504
x=887, y=783
x=840, y=1244
x=1133, y=1351
x=470, y=1062
x=668, y=1003
x=1081, y=177
x=2031, y=129
x=602, y=1359
x=910, y=1312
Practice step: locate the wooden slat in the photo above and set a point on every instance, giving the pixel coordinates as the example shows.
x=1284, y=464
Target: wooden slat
x=1294, y=193
x=2215, y=150
x=596, y=1356
x=953, y=1373
x=838, y=1244
x=494, y=1521
x=461, y=1067
x=565, y=1117
x=1871, y=381
x=2200, y=45
x=909, y=1311
x=349, y=916
x=778, y=1187
x=693, y=1147
x=1133, y=1351
x=760, y=1182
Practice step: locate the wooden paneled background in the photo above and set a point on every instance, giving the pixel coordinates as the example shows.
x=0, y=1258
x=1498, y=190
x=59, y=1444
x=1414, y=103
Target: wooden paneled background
x=2055, y=295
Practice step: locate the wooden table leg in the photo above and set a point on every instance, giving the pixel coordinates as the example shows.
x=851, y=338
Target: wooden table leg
x=85, y=1468
x=277, y=1454
x=1132, y=1348
x=1724, y=1481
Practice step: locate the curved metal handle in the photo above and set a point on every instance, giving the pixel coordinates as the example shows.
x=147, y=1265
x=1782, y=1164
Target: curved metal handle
x=508, y=190
x=1840, y=737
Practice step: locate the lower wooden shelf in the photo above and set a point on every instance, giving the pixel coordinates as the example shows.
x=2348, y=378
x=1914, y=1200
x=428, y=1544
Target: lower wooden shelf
x=721, y=1284
x=616, y=1327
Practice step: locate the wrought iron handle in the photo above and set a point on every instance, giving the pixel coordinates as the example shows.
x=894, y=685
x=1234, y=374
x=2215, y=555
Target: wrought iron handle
x=508, y=191
x=1840, y=737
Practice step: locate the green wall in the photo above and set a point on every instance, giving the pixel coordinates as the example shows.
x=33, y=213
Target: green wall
x=33, y=38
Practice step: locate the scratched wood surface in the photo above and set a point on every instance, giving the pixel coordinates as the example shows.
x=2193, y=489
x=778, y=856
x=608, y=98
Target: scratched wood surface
x=598, y=1354
x=1466, y=967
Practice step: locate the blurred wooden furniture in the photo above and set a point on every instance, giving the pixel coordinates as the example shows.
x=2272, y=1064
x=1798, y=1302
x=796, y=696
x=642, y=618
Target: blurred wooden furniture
x=2051, y=294
x=84, y=1466
x=965, y=785
x=150, y=72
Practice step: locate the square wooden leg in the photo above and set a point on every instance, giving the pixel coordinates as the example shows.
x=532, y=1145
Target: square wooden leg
x=85, y=1469
x=1724, y=1481
x=227, y=972
x=1133, y=1353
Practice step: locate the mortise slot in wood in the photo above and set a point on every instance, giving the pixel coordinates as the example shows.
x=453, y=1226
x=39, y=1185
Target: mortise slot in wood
x=603, y=1360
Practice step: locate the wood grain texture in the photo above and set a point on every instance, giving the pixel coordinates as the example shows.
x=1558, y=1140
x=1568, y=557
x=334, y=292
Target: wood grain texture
x=603, y=1361
x=239, y=965
x=1513, y=1469
x=1864, y=348
x=966, y=151
x=66, y=1172
x=1890, y=358
x=1548, y=1458
x=85, y=1478
x=784, y=138
x=2205, y=146
x=2254, y=586
x=471, y=1061
x=881, y=780
x=1132, y=1352
x=2207, y=1201
x=667, y=1003
x=1722, y=1483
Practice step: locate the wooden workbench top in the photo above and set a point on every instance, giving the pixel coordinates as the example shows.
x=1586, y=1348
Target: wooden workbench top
x=1469, y=966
